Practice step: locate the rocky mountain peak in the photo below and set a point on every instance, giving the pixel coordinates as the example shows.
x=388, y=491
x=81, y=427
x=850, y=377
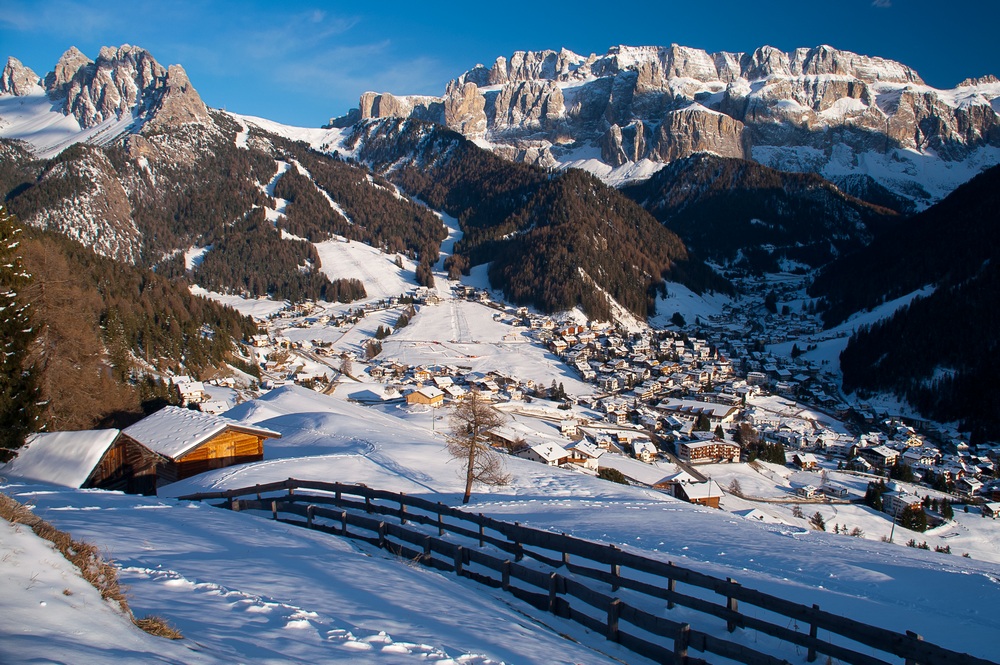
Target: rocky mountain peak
x=72, y=61
x=17, y=79
x=123, y=81
x=799, y=110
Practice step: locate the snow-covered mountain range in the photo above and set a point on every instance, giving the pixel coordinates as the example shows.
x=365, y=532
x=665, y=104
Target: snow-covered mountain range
x=626, y=112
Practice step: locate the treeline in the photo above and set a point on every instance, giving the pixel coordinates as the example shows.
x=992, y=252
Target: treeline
x=378, y=215
x=104, y=328
x=945, y=244
x=730, y=209
x=253, y=259
x=555, y=241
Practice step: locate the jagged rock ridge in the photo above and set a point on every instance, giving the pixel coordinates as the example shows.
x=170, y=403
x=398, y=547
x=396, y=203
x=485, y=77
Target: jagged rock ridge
x=122, y=81
x=815, y=109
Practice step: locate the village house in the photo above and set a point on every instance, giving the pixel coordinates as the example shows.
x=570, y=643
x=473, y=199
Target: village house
x=705, y=452
x=895, y=502
x=880, y=457
x=548, y=453
x=702, y=494
x=585, y=453
x=718, y=414
x=429, y=395
x=805, y=461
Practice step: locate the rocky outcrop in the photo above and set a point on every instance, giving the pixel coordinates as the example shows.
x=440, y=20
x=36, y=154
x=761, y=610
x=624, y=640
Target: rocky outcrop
x=697, y=129
x=384, y=105
x=17, y=79
x=124, y=82
x=179, y=104
x=464, y=109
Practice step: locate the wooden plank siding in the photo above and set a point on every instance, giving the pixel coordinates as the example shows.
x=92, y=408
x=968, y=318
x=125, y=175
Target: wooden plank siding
x=126, y=466
x=226, y=449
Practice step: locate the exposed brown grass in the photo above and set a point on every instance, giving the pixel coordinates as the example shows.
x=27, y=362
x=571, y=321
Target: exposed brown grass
x=99, y=571
x=158, y=626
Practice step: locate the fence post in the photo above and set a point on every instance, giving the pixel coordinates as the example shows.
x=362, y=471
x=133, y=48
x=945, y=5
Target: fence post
x=368, y=504
x=336, y=496
x=427, y=548
x=481, y=542
x=274, y=510
x=343, y=522
x=381, y=535
x=614, y=611
x=518, y=550
x=731, y=606
x=459, y=560
x=565, y=556
x=505, y=575
x=309, y=514
x=813, y=632
x=257, y=488
x=402, y=509
x=910, y=633
x=671, y=587
x=553, y=592
x=615, y=570
x=681, y=641
x=440, y=521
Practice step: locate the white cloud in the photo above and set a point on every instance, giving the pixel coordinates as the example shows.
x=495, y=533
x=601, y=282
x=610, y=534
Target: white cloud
x=882, y=4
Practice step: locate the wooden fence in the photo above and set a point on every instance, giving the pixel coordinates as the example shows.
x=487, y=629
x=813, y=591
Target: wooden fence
x=579, y=579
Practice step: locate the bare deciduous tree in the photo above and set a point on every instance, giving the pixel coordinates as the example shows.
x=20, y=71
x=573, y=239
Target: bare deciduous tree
x=471, y=421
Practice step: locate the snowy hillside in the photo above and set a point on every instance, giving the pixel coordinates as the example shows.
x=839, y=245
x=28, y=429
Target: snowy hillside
x=242, y=588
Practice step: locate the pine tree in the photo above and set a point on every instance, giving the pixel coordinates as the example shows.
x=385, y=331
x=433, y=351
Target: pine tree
x=19, y=392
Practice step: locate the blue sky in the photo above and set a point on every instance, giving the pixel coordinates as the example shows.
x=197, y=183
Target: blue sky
x=303, y=62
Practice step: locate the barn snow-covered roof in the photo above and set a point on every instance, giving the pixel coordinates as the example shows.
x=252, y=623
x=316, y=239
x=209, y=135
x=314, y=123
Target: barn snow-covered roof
x=173, y=431
x=61, y=458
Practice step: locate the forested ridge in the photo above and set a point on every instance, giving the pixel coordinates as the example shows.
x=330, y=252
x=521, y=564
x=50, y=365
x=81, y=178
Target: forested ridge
x=554, y=240
x=730, y=210
x=105, y=329
x=945, y=244
x=940, y=352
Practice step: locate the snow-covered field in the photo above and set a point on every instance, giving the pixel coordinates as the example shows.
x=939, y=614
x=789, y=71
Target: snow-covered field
x=244, y=589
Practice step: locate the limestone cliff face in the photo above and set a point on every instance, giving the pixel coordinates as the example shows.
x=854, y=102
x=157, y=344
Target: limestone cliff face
x=124, y=81
x=17, y=79
x=697, y=129
x=665, y=103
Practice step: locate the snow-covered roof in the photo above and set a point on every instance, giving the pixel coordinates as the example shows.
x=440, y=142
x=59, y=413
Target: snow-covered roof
x=61, y=458
x=550, y=452
x=173, y=431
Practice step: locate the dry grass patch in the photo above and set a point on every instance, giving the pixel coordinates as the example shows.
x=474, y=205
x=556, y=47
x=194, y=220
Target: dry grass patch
x=94, y=568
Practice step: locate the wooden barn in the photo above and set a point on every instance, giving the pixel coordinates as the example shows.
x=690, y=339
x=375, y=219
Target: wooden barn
x=188, y=442
x=67, y=459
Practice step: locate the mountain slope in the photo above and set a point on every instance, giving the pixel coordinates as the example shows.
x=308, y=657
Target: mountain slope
x=812, y=109
x=740, y=213
x=555, y=241
x=939, y=353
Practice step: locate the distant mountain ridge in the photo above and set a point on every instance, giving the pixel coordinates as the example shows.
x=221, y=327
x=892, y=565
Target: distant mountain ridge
x=817, y=110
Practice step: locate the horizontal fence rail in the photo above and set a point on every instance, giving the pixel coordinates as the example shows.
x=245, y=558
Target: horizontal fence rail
x=357, y=511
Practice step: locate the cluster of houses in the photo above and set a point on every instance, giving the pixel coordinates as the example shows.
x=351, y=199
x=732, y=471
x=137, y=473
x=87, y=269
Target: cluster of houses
x=966, y=470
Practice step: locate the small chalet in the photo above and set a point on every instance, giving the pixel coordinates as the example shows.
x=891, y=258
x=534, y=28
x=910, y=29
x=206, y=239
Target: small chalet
x=991, y=510
x=805, y=461
x=427, y=395
x=585, y=453
x=186, y=443
x=551, y=454
x=703, y=494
